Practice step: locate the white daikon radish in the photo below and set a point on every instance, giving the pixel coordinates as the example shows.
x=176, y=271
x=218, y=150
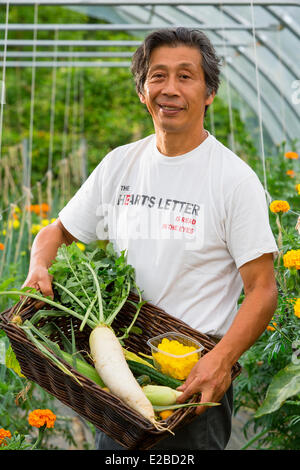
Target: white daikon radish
x=111, y=365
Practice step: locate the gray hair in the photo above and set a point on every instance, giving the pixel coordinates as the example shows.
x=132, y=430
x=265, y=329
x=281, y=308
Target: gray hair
x=173, y=37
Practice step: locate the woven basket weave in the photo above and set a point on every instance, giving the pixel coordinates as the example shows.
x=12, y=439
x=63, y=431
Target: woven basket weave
x=100, y=408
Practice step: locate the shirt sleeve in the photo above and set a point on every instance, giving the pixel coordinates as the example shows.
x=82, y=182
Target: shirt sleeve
x=82, y=214
x=248, y=231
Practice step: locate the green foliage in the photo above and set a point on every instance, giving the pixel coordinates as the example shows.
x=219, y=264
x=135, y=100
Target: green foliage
x=100, y=279
x=269, y=384
x=285, y=384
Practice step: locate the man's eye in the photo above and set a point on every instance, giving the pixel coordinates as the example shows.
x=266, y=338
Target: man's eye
x=183, y=75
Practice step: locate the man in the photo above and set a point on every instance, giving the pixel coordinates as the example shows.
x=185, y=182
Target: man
x=193, y=219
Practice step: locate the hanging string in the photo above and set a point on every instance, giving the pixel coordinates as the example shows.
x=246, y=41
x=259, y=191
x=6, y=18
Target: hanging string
x=259, y=103
x=2, y=97
x=279, y=57
x=75, y=109
x=32, y=101
x=53, y=98
x=81, y=101
x=231, y=124
x=67, y=108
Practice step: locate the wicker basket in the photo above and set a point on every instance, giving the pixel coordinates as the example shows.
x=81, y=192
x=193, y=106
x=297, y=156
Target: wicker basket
x=100, y=408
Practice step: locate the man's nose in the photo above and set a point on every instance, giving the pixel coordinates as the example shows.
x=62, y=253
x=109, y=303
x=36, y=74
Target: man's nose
x=170, y=86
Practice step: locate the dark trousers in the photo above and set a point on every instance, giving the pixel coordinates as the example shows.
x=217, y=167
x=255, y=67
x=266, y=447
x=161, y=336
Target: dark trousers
x=209, y=431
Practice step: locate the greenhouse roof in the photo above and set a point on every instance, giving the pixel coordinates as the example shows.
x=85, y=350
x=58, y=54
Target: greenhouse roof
x=258, y=41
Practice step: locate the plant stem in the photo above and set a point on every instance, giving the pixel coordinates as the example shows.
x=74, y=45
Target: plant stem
x=101, y=317
x=39, y=438
x=74, y=273
x=140, y=304
x=74, y=297
x=112, y=316
x=48, y=301
x=282, y=334
x=255, y=438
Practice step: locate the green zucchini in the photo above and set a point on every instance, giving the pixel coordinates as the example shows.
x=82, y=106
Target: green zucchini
x=157, y=377
x=143, y=380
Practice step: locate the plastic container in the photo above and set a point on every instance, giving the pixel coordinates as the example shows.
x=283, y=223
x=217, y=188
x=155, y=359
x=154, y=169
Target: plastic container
x=175, y=365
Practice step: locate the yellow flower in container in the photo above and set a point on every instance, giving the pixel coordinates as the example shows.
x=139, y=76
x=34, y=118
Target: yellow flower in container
x=298, y=188
x=45, y=222
x=291, y=259
x=176, y=355
x=297, y=308
x=291, y=155
x=279, y=206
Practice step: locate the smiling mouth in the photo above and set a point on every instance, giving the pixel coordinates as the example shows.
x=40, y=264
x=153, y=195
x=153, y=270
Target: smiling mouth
x=170, y=109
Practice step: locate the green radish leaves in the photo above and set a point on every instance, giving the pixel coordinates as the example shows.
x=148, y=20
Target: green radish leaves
x=79, y=276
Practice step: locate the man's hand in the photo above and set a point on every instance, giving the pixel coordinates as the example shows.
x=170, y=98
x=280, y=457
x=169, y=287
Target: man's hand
x=43, y=252
x=211, y=377
x=40, y=279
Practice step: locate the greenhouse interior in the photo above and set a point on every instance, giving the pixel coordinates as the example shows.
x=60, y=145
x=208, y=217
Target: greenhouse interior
x=68, y=101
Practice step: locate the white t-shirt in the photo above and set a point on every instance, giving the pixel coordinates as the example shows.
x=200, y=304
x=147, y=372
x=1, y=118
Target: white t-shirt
x=188, y=224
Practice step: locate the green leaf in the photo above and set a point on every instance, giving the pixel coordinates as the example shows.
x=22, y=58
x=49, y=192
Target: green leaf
x=12, y=362
x=285, y=384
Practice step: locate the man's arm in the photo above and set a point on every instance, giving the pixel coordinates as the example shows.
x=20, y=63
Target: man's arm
x=43, y=252
x=212, y=374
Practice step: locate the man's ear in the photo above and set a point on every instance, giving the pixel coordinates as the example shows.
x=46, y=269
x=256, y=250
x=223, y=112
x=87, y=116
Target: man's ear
x=142, y=98
x=210, y=98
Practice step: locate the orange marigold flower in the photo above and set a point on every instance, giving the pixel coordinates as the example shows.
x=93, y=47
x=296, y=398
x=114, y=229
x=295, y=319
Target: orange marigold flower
x=290, y=173
x=45, y=207
x=291, y=259
x=270, y=328
x=39, y=418
x=39, y=208
x=4, y=434
x=297, y=308
x=291, y=155
x=279, y=206
x=1, y=246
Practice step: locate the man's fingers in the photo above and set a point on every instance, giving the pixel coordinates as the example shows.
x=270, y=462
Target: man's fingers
x=188, y=390
x=46, y=288
x=205, y=398
x=43, y=286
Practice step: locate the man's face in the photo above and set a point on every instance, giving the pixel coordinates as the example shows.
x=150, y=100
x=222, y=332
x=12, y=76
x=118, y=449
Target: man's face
x=175, y=90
